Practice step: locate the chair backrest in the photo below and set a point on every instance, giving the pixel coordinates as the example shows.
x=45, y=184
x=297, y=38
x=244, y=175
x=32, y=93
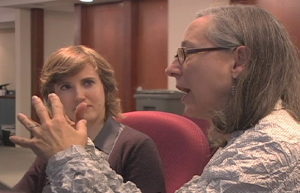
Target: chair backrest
x=182, y=145
x=204, y=125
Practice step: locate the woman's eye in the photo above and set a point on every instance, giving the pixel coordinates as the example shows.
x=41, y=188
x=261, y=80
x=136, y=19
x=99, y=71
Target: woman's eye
x=88, y=82
x=65, y=87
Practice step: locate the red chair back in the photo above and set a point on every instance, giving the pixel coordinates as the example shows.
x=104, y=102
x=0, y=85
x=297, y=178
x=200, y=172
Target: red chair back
x=183, y=147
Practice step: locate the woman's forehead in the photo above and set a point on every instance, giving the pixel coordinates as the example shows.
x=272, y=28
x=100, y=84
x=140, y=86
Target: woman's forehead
x=195, y=33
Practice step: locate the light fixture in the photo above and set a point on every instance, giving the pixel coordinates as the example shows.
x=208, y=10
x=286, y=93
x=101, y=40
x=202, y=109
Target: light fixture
x=86, y=0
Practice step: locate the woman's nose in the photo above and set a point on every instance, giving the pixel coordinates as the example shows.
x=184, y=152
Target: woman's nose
x=174, y=69
x=79, y=95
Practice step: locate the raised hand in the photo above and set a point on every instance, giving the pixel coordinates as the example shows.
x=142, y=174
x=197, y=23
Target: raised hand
x=54, y=134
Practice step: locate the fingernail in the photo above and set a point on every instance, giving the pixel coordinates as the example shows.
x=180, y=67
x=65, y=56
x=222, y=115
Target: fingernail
x=51, y=95
x=34, y=98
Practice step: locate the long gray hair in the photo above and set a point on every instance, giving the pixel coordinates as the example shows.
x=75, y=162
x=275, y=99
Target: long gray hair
x=272, y=71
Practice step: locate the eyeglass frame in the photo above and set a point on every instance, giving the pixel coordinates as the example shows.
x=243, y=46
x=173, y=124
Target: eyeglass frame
x=187, y=51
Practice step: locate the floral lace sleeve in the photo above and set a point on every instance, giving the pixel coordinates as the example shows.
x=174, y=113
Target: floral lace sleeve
x=84, y=170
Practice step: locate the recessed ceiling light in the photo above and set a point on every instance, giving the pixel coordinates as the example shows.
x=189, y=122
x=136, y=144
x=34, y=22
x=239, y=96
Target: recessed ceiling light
x=86, y=0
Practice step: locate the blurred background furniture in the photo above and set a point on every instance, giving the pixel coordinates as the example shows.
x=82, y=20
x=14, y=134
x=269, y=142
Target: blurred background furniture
x=182, y=145
x=7, y=110
x=14, y=162
x=159, y=100
x=7, y=118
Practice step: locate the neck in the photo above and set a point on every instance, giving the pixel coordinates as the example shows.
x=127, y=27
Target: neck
x=94, y=128
x=227, y=137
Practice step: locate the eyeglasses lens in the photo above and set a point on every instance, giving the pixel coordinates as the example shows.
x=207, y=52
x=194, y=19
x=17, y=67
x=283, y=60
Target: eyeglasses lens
x=180, y=54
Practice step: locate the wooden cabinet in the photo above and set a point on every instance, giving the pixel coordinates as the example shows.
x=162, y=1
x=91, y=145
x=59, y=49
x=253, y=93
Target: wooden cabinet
x=133, y=37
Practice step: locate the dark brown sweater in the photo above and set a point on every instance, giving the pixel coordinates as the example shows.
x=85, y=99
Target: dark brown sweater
x=131, y=154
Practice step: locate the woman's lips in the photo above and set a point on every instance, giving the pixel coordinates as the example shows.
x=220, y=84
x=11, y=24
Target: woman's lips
x=88, y=106
x=185, y=96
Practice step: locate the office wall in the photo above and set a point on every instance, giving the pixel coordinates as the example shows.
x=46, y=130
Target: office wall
x=23, y=67
x=181, y=13
x=58, y=30
x=15, y=46
x=7, y=57
x=7, y=47
x=287, y=11
x=132, y=36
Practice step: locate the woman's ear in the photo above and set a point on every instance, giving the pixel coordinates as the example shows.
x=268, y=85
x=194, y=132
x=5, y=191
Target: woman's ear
x=241, y=55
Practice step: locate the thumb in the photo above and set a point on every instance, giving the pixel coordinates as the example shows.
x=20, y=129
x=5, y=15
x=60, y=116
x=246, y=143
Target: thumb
x=82, y=131
x=81, y=126
x=80, y=111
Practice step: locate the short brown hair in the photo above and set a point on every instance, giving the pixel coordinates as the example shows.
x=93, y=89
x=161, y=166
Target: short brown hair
x=68, y=61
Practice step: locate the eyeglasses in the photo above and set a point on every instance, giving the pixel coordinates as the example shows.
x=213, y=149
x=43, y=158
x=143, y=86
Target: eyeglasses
x=183, y=52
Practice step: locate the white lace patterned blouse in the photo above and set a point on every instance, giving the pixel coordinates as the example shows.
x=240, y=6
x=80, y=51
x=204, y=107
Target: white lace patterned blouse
x=265, y=158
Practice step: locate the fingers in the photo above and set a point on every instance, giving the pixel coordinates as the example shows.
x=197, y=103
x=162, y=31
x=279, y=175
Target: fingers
x=57, y=107
x=40, y=108
x=24, y=120
x=69, y=121
x=28, y=123
x=20, y=141
x=79, y=111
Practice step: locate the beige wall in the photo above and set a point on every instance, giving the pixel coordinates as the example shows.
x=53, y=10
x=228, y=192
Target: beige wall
x=181, y=13
x=15, y=61
x=58, y=30
x=23, y=65
x=7, y=57
x=7, y=47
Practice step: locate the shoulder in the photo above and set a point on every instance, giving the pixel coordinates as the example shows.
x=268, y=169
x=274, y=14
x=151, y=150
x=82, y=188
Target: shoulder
x=277, y=131
x=277, y=128
x=256, y=155
x=134, y=148
x=131, y=134
x=133, y=141
x=276, y=134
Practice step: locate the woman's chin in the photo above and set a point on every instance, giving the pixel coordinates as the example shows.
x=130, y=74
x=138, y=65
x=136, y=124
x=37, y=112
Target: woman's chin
x=193, y=112
x=190, y=112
